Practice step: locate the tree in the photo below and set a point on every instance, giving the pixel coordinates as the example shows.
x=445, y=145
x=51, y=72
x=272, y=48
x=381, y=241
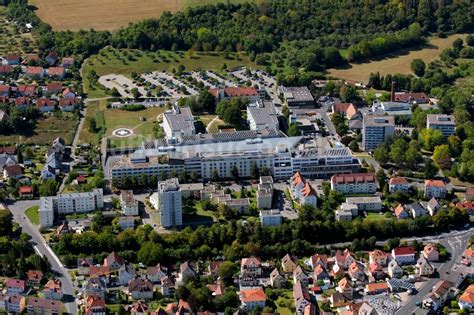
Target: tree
x=255, y=172
x=458, y=44
x=354, y=146
x=48, y=188
x=430, y=138
x=135, y=92
x=285, y=111
x=430, y=169
x=418, y=67
x=397, y=152
x=381, y=177
x=455, y=145
x=349, y=94
x=226, y=271
x=441, y=157
x=294, y=130
x=381, y=155
x=470, y=40
x=234, y=171
x=150, y=253
x=215, y=175
x=91, y=124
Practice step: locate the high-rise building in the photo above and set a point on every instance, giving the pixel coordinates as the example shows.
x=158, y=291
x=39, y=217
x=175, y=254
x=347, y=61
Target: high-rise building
x=443, y=123
x=375, y=129
x=169, y=203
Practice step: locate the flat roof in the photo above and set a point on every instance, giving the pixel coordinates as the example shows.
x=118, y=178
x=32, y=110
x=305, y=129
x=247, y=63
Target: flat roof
x=379, y=120
x=297, y=93
x=440, y=119
x=263, y=113
x=180, y=118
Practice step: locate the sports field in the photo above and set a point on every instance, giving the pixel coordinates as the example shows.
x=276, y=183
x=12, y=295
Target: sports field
x=107, y=14
x=395, y=64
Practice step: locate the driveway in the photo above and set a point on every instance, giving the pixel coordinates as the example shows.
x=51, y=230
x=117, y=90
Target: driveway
x=39, y=243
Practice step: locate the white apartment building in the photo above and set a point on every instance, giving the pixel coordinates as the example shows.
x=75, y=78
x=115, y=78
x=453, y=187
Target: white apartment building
x=169, y=203
x=270, y=217
x=69, y=203
x=262, y=115
x=265, y=192
x=375, y=129
x=128, y=203
x=350, y=184
x=398, y=184
x=444, y=123
x=178, y=122
x=370, y=204
x=435, y=188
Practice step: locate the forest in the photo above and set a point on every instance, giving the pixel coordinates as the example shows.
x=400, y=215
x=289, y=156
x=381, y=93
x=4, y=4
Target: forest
x=366, y=28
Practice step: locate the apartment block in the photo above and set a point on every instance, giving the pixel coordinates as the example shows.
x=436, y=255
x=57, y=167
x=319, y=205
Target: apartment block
x=69, y=203
x=169, y=203
x=375, y=129
x=128, y=203
x=443, y=123
x=350, y=184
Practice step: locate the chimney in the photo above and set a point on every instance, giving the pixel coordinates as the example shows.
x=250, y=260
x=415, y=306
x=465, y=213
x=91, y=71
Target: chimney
x=392, y=94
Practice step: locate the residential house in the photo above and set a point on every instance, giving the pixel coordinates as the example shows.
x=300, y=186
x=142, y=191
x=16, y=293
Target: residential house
x=138, y=308
x=22, y=103
x=368, y=204
x=287, y=264
x=378, y=256
x=338, y=300
x=141, y=289
x=376, y=271
x=45, y=105
x=5, y=69
x=68, y=104
x=438, y=295
x=36, y=306
x=319, y=259
x=435, y=188
x=34, y=72
x=217, y=288
x=25, y=191
x=68, y=62
x=15, y=304
x=52, y=58
x=155, y=274
x=26, y=90
x=376, y=288
x=276, y=279
x=356, y=272
x=114, y=262
x=56, y=72
x=53, y=290
x=12, y=59
x=69, y=92
x=128, y=203
x=344, y=286
x=430, y=252
x=167, y=286
x=466, y=300
x=398, y=184
x=347, y=110
x=265, y=192
x=394, y=269
x=126, y=274
x=54, y=88
x=127, y=222
x=416, y=210
x=4, y=118
x=252, y=298
x=186, y=270
x=213, y=268
x=404, y=255
x=95, y=306
x=400, y=212
x=84, y=266
x=248, y=280
x=270, y=217
x=344, y=258
x=423, y=267
x=301, y=297
x=299, y=275
x=320, y=273
x=63, y=229
x=432, y=206
x=96, y=287
x=302, y=191
x=251, y=265
x=3, y=302
x=5, y=90
x=34, y=277
x=15, y=286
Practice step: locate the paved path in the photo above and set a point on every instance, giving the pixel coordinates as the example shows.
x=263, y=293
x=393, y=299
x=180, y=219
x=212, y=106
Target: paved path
x=40, y=245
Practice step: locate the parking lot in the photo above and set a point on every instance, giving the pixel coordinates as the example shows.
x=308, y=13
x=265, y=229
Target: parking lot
x=120, y=82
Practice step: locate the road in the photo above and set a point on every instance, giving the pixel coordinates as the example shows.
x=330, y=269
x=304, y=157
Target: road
x=455, y=243
x=39, y=243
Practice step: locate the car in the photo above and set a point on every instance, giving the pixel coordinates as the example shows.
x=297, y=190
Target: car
x=418, y=303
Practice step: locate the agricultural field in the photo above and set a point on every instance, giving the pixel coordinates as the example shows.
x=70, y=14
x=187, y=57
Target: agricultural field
x=126, y=61
x=399, y=63
x=75, y=15
x=47, y=129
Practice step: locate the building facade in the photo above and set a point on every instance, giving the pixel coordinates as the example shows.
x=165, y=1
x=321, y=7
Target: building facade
x=170, y=203
x=443, y=123
x=375, y=129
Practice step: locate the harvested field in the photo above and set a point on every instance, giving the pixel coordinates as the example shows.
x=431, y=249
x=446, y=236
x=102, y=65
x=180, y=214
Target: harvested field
x=395, y=63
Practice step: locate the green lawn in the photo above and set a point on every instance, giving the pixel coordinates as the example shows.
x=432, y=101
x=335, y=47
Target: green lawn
x=375, y=217
x=33, y=215
x=285, y=304
x=126, y=61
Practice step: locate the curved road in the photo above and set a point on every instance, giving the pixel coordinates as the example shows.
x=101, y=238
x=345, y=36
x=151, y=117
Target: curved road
x=40, y=245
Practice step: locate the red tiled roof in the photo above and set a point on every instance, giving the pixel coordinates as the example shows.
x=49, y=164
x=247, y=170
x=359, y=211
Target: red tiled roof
x=27, y=89
x=13, y=170
x=8, y=150
x=22, y=101
x=407, y=97
x=250, y=261
x=372, y=287
x=68, y=101
x=401, y=251
x=308, y=190
x=25, y=189
x=12, y=57
x=58, y=71
x=435, y=182
x=34, y=70
x=353, y=178
x=5, y=68
x=4, y=88
x=398, y=181
x=45, y=102
x=253, y=295
x=347, y=108
x=54, y=86
x=15, y=283
x=469, y=205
